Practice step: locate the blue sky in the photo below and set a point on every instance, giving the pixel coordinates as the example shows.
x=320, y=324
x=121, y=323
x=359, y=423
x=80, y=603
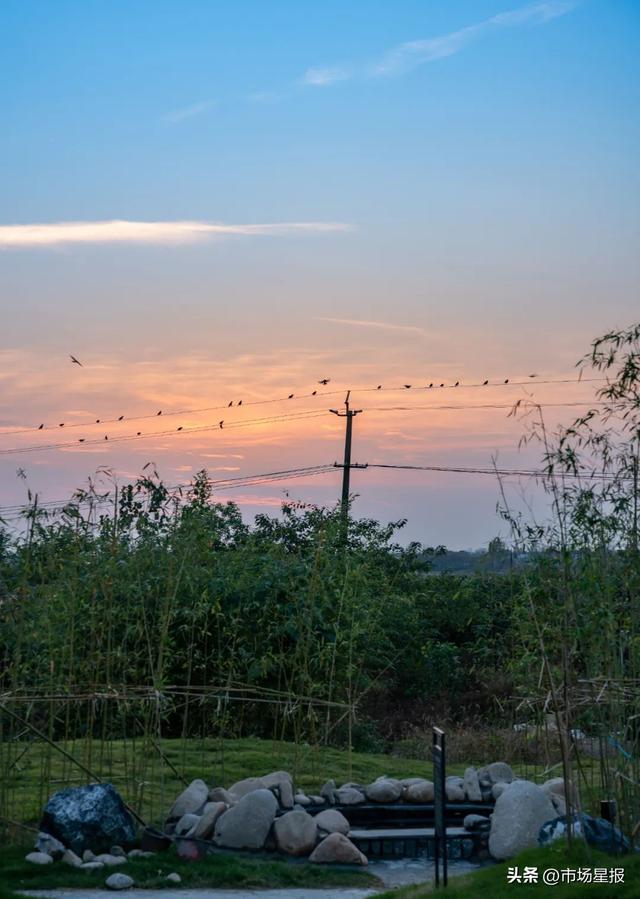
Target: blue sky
x=478, y=159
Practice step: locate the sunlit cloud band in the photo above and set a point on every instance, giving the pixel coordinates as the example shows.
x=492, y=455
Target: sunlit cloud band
x=119, y=231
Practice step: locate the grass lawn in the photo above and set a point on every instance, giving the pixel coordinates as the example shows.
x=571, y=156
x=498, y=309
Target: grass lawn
x=220, y=870
x=150, y=775
x=491, y=882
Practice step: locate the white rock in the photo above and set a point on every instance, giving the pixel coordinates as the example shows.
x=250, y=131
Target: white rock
x=337, y=849
x=496, y=772
x=46, y=843
x=248, y=785
x=119, y=882
x=384, y=790
x=88, y=856
x=498, y=789
x=190, y=801
x=186, y=823
x=331, y=821
x=555, y=785
x=39, y=858
x=173, y=877
x=140, y=853
x=518, y=815
x=420, y=792
x=70, y=858
x=111, y=861
x=348, y=796
x=471, y=785
x=284, y=783
x=247, y=824
x=219, y=794
x=92, y=866
x=205, y=825
x=301, y=799
x=295, y=833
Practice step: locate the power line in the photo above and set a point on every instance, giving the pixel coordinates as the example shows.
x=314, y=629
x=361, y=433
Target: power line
x=507, y=472
x=435, y=386
x=217, y=484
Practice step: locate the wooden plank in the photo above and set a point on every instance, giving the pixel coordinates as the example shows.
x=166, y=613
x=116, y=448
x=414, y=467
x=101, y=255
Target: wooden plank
x=407, y=833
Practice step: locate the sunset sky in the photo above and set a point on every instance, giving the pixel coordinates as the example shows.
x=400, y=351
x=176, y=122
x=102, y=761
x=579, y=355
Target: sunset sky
x=206, y=202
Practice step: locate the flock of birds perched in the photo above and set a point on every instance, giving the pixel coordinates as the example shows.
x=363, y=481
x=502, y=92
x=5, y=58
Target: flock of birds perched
x=322, y=381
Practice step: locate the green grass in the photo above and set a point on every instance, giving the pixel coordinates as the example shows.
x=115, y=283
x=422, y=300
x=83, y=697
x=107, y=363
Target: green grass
x=220, y=869
x=491, y=882
x=149, y=783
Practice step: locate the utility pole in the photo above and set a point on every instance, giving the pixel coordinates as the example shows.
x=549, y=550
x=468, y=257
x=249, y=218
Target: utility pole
x=349, y=415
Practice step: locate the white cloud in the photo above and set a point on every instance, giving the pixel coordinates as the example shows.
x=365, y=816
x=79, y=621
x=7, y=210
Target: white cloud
x=187, y=112
x=388, y=326
x=412, y=54
x=321, y=77
x=117, y=231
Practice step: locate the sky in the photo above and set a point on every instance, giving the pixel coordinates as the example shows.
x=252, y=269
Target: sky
x=212, y=202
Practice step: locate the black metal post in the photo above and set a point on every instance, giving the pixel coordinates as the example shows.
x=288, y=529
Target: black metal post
x=439, y=805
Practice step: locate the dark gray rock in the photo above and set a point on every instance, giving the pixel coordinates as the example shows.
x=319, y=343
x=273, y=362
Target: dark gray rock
x=328, y=792
x=247, y=824
x=91, y=817
x=476, y=822
x=517, y=818
x=295, y=833
x=119, y=882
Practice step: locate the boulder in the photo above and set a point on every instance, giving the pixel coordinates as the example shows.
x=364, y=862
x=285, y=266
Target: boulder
x=476, y=822
x=247, y=824
x=422, y=791
x=471, y=785
x=88, y=856
x=518, y=815
x=555, y=786
x=331, y=821
x=46, y=843
x=191, y=801
x=301, y=799
x=498, y=789
x=496, y=772
x=454, y=788
x=70, y=858
x=39, y=858
x=283, y=781
x=348, y=796
x=219, y=794
x=92, y=866
x=174, y=877
x=111, y=861
x=117, y=850
x=295, y=833
x=206, y=823
x=248, y=785
x=559, y=803
x=328, y=792
x=336, y=849
x=186, y=823
x=384, y=790
x=140, y=853
x=317, y=800
x=119, y=882
x=88, y=817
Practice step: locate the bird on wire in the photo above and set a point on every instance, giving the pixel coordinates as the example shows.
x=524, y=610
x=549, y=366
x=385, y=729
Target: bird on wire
x=121, y=417
x=159, y=413
x=408, y=386
x=324, y=381
x=97, y=421
x=222, y=422
x=442, y=385
x=76, y=361
x=230, y=404
x=41, y=427
x=314, y=392
x=138, y=433
x=61, y=425
x=431, y=384
x=379, y=387
x=457, y=384
x=506, y=380
x=105, y=437
x=180, y=428
x=533, y=376
x=484, y=383
x=239, y=402
x=290, y=397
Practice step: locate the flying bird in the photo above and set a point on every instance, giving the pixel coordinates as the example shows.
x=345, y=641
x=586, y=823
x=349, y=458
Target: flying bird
x=324, y=381
x=73, y=359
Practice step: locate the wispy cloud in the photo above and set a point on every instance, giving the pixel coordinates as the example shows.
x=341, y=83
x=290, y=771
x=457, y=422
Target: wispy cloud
x=117, y=231
x=320, y=77
x=412, y=54
x=187, y=112
x=387, y=326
